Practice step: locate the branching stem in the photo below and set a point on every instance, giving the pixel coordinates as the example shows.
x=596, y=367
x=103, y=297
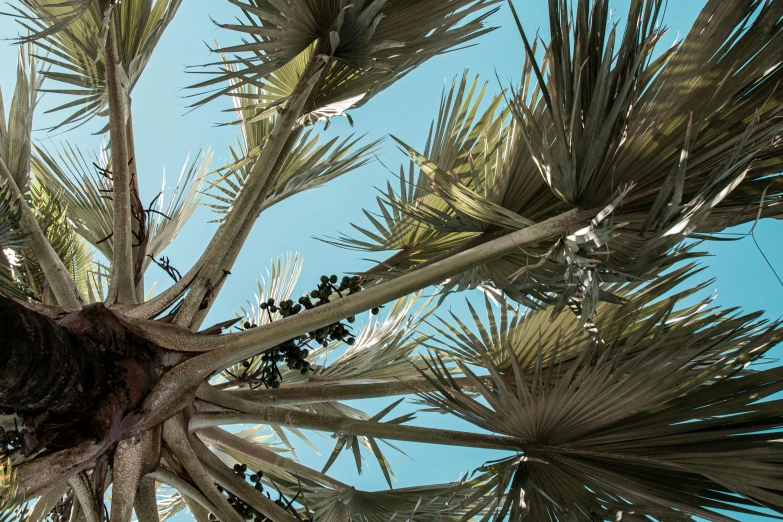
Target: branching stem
x=121, y=288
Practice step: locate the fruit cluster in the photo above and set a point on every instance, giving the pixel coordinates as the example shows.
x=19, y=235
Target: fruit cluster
x=61, y=511
x=241, y=507
x=9, y=441
x=265, y=370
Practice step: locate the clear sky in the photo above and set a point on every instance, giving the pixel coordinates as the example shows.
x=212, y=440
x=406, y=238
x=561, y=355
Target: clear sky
x=165, y=135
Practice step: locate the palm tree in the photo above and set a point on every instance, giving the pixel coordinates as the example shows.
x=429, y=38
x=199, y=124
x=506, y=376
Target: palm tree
x=571, y=201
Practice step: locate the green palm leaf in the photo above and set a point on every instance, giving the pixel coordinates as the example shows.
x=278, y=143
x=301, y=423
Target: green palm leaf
x=11, y=241
x=74, y=251
x=12, y=505
x=15, y=137
x=373, y=42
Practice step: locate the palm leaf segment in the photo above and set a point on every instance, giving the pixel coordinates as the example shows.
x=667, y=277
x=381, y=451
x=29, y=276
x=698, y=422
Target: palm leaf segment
x=373, y=42
x=71, y=36
x=585, y=124
x=666, y=417
x=15, y=136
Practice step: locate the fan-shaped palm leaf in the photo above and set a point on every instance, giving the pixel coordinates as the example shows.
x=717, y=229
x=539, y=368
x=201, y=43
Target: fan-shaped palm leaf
x=575, y=128
x=279, y=284
x=661, y=417
x=421, y=503
x=72, y=36
x=533, y=334
x=354, y=442
x=373, y=42
x=463, y=128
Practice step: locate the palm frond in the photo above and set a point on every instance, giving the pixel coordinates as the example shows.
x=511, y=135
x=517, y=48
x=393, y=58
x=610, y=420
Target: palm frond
x=15, y=137
x=169, y=501
x=420, y=504
x=12, y=505
x=165, y=222
x=462, y=129
x=309, y=165
x=354, y=442
x=72, y=36
x=373, y=42
x=83, y=188
x=74, y=252
x=12, y=240
x=665, y=417
x=384, y=348
x=578, y=134
x=530, y=334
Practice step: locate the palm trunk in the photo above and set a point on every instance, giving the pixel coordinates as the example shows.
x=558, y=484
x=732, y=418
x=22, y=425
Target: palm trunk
x=69, y=381
x=46, y=368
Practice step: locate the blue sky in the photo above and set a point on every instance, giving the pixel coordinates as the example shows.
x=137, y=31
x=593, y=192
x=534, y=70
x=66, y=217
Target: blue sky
x=166, y=133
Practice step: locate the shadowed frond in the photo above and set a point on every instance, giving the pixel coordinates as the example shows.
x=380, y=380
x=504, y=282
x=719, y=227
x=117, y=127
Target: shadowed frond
x=75, y=252
x=536, y=334
x=422, y=503
x=373, y=43
x=72, y=36
x=665, y=415
x=12, y=239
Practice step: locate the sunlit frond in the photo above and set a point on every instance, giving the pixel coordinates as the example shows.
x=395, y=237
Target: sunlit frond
x=279, y=284
x=168, y=219
x=12, y=505
x=383, y=348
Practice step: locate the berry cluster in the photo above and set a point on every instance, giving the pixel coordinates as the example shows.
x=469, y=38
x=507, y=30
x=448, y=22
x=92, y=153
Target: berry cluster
x=9, y=441
x=241, y=507
x=61, y=511
x=294, y=352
